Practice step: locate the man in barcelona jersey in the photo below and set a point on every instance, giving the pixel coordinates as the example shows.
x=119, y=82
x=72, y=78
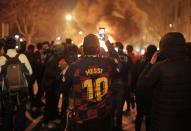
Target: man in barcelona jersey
x=89, y=82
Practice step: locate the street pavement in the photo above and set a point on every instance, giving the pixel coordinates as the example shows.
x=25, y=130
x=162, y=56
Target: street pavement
x=128, y=120
x=128, y=123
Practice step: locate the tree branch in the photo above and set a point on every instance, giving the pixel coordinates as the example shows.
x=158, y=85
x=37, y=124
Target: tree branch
x=19, y=28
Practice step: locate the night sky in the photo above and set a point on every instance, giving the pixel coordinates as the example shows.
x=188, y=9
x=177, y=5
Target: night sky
x=119, y=21
x=69, y=5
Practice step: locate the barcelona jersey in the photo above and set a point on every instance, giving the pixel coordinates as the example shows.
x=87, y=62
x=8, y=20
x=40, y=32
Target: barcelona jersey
x=90, y=80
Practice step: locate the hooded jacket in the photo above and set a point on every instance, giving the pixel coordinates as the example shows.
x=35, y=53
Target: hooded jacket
x=171, y=108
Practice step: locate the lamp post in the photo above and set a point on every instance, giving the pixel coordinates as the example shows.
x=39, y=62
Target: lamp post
x=80, y=33
x=21, y=39
x=68, y=17
x=17, y=37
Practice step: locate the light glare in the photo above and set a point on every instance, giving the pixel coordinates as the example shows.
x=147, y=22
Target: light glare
x=116, y=49
x=102, y=44
x=68, y=17
x=111, y=39
x=137, y=50
x=80, y=32
x=17, y=37
x=143, y=51
x=21, y=40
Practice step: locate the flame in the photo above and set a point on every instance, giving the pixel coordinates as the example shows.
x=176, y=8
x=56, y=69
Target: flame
x=102, y=44
x=111, y=39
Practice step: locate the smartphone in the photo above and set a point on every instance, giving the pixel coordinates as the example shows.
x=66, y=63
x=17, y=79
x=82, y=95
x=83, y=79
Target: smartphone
x=59, y=38
x=102, y=33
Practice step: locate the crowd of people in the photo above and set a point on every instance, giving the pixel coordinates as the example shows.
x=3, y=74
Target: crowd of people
x=93, y=85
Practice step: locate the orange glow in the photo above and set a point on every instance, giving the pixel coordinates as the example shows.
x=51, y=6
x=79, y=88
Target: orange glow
x=68, y=17
x=111, y=39
x=102, y=44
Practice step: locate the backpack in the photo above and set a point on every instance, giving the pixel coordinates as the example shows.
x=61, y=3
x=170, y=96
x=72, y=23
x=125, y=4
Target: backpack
x=14, y=77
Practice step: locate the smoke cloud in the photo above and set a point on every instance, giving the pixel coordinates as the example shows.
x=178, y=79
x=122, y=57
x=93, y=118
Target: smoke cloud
x=121, y=18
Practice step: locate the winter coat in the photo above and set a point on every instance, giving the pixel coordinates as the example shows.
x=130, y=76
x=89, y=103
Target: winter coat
x=171, y=108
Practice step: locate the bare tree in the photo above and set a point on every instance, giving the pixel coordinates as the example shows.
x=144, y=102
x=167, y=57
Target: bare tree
x=31, y=16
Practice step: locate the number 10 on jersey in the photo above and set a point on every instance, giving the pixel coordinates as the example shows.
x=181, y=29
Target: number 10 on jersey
x=96, y=89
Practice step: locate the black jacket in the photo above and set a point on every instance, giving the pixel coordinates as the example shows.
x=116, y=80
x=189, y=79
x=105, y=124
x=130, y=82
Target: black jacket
x=171, y=108
x=138, y=68
x=51, y=76
x=38, y=66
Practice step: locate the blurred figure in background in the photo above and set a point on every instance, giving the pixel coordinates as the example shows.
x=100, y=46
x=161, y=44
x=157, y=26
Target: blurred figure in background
x=143, y=97
x=38, y=73
x=2, y=44
x=130, y=53
x=52, y=82
x=134, y=58
x=71, y=54
x=122, y=86
x=68, y=42
x=171, y=84
x=81, y=52
x=22, y=47
x=31, y=57
x=46, y=51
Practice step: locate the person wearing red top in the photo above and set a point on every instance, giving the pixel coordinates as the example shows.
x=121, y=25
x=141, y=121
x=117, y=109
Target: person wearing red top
x=134, y=59
x=130, y=53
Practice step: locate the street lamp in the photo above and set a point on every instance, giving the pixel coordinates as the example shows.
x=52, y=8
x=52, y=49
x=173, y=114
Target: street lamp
x=16, y=37
x=137, y=50
x=21, y=39
x=68, y=17
x=80, y=33
x=142, y=51
x=170, y=25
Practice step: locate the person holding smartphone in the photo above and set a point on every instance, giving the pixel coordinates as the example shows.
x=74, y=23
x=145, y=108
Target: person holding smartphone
x=89, y=82
x=171, y=83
